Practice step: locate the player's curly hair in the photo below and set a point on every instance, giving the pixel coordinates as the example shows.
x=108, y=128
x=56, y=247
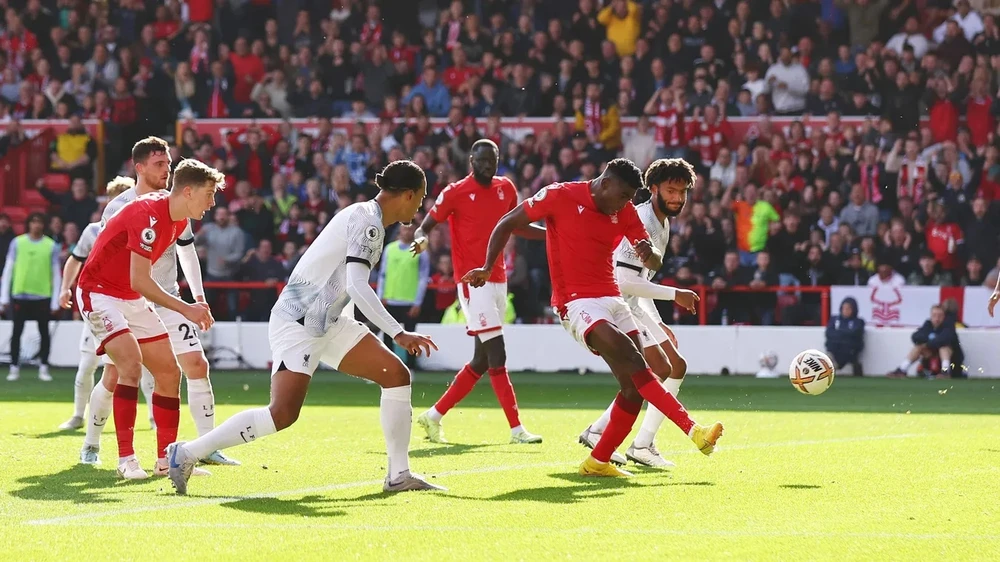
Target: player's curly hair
x=191, y=172
x=400, y=176
x=672, y=170
x=142, y=150
x=116, y=186
x=626, y=170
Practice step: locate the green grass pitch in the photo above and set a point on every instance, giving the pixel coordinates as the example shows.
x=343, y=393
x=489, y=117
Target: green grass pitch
x=871, y=470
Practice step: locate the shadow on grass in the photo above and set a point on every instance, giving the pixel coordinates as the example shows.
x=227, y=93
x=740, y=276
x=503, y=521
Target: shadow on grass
x=433, y=450
x=581, y=489
x=312, y=505
x=80, y=484
x=560, y=391
x=800, y=486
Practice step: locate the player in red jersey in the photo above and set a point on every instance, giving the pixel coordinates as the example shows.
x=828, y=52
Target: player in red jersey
x=473, y=206
x=585, y=221
x=114, y=286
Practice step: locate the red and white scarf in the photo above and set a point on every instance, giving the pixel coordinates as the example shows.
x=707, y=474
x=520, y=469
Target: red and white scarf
x=870, y=182
x=592, y=117
x=912, y=176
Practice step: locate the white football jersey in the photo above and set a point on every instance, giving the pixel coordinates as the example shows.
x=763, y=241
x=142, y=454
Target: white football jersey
x=628, y=263
x=86, y=242
x=316, y=293
x=164, y=269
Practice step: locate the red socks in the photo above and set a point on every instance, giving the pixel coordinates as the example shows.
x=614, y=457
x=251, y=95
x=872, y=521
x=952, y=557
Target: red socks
x=124, y=403
x=623, y=416
x=505, y=394
x=460, y=387
x=167, y=415
x=653, y=392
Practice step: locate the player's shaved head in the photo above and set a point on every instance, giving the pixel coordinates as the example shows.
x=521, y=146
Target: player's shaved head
x=484, y=159
x=616, y=187
x=116, y=186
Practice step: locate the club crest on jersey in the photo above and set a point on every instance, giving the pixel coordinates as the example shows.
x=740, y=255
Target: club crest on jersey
x=482, y=320
x=108, y=325
x=586, y=317
x=371, y=233
x=614, y=218
x=500, y=193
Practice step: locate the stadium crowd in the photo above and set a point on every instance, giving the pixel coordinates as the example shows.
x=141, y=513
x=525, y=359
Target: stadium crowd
x=907, y=195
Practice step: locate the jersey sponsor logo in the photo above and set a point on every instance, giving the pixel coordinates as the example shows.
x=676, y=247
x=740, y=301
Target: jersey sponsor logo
x=371, y=233
x=148, y=235
x=146, y=247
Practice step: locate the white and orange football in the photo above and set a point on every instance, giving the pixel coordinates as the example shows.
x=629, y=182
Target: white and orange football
x=811, y=372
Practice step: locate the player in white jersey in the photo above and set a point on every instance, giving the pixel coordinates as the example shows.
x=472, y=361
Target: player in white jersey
x=307, y=326
x=84, y=383
x=151, y=157
x=668, y=181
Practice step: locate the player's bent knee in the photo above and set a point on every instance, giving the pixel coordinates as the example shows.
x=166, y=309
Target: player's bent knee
x=631, y=394
x=395, y=376
x=194, y=365
x=678, y=367
x=284, y=415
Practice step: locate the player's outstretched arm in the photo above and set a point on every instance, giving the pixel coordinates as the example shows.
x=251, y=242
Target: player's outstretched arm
x=512, y=221
x=70, y=271
x=637, y=286
x=142, y=282
x=187, y=256
x=420, y=234
x=371, y=306
x=994, y=297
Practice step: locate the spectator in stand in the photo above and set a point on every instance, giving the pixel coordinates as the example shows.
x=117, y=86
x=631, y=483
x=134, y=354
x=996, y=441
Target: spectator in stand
x=853, y=273
x=432, y=91
x=945, y=240
x=860, y=214
x=762, y=277
x=928, y=273
x=221, y=246
x=623, y=21
x=356, y=157
x=641, y=145
x=975, y=275
x=982, y=237
x=78, y=206
x=444, y=288
x=936, y=343
x=731, y=308
x=788, y=83
x=259, y=265
x=73, y=152
x=753, y=219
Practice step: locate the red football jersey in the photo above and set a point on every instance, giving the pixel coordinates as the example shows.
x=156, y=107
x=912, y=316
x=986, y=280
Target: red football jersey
x=472, y=212
x=142, y=226
x=942, y=241
x=580, y=240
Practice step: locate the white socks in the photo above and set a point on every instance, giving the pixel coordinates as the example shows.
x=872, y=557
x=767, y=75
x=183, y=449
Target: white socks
x=654, y=418
x=146, y=386
x=201, y=400
x=905, y=365
x=101, y=401
x=434, y=415
x=84, y=383
x=603, y=421
x=397, y=418
x=244, y=427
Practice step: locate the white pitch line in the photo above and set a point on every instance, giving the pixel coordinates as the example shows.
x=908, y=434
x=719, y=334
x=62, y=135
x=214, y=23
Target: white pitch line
x=536, y=530
x=485, y=470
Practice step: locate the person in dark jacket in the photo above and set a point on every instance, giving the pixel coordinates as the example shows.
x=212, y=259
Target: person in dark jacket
x=936, y=341
x=845, y=336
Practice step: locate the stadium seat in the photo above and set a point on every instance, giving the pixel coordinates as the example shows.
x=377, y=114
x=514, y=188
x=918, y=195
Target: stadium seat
x=56, y=182
x=33, y=198
x=17, y=217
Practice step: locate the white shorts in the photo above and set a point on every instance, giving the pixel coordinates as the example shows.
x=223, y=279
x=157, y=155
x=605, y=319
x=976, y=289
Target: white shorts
x=484, y=308
x=299, y=352
x=650, y=332
x=582, y=315
x=184, y=336
x=87, y=342
x=110, y=317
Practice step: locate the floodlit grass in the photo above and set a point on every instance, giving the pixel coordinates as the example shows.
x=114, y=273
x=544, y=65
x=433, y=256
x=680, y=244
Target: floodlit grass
x=872, y=470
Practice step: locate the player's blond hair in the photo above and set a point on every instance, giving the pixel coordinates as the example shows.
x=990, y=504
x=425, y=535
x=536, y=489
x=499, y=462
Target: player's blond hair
x=191, y=172
x=116, y=186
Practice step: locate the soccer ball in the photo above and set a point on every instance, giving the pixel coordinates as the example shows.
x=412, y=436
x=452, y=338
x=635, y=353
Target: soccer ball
x=811, y=372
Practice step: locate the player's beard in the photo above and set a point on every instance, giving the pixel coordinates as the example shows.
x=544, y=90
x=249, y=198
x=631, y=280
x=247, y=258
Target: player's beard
x=481, y=179
x=665, y=209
